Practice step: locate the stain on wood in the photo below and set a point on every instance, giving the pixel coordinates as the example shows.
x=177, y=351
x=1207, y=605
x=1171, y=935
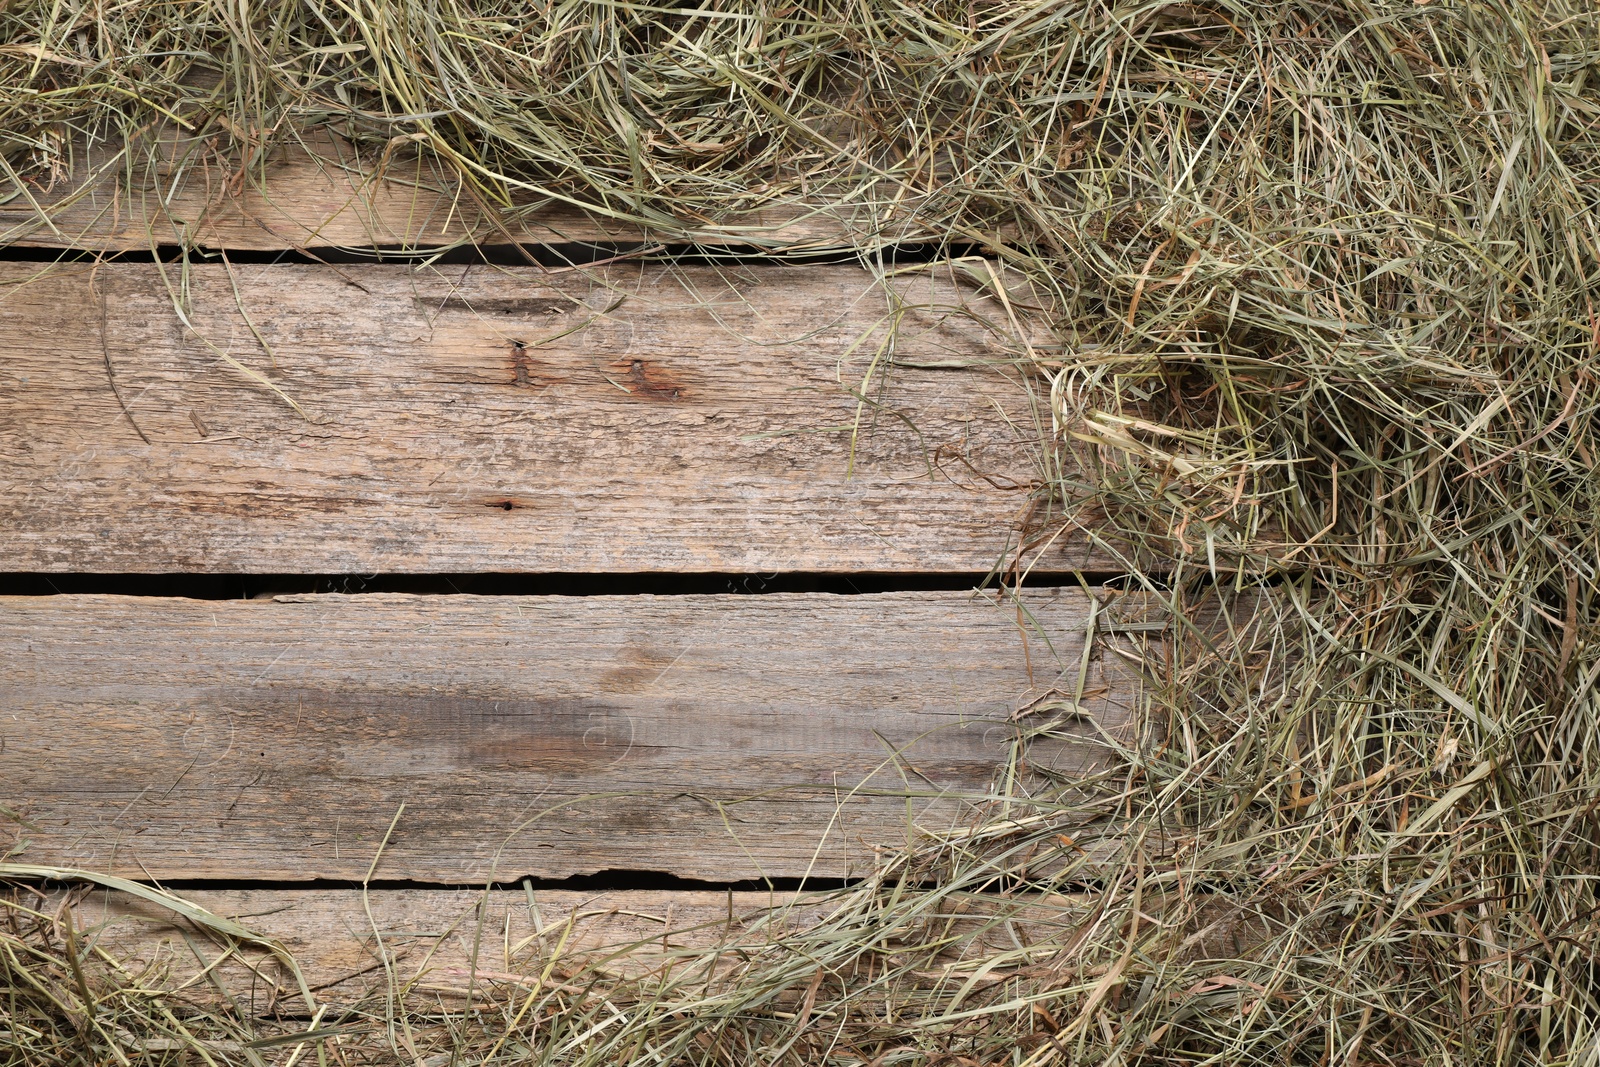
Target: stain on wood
x=648, y=380
x=527, y=372
x=514, y=305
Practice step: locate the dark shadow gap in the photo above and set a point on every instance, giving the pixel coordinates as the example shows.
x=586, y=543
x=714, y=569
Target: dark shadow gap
x=575, y=254
x=260, y=586
x=608, y=881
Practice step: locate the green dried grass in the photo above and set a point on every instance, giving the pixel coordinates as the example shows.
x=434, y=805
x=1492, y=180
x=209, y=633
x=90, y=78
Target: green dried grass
x=1323, y=280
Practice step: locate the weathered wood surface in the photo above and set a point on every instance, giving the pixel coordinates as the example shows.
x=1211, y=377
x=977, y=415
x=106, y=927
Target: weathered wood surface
x=445, y=941
x=455, y=943
x=186, y=191
x=471, y=419
x=720, y=738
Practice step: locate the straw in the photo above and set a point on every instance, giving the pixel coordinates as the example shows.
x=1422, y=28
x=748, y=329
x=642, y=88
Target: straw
x=1321, y=280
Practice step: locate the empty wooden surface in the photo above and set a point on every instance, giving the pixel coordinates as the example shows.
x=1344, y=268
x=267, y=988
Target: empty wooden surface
x=187, y=191
x=476, y=419
x=720, y=738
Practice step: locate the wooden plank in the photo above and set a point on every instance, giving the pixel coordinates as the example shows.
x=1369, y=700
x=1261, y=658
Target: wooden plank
x=631, y=418
x=720, y=738
x=349, y=945
x=424, y=939
x=327, y=194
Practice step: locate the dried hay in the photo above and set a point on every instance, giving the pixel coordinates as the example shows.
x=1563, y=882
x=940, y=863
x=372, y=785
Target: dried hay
x=1323, y=280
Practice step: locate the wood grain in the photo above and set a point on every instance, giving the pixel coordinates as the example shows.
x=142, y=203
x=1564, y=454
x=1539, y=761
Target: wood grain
x=430, y=940
x=324, y=193
x=721, y=738
x=631, y=418
x=457, y=943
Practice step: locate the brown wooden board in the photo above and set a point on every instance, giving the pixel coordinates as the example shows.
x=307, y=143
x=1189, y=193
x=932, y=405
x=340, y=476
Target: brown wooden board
x=458, y=942
x=628, y=418
x=348, y=945
x=719, y=738
x=186, y=191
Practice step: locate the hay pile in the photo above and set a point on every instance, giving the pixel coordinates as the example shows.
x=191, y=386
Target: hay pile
x=1322, y=276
